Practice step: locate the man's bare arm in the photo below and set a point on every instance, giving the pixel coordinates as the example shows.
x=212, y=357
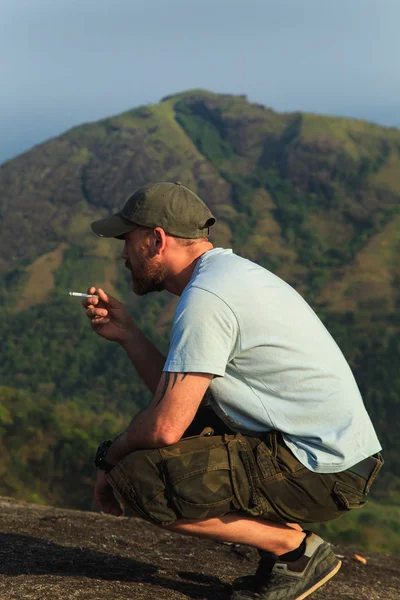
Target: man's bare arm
x=145, y=357
x=170, y=413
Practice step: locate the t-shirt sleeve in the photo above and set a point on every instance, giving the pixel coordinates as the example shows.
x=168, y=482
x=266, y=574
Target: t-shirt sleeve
x=205, y=335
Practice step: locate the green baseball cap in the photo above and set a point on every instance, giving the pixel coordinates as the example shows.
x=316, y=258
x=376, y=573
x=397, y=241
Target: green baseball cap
x=172, y=206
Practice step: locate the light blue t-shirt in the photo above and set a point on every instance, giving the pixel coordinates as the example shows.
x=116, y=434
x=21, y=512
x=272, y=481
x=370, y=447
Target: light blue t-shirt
x=275, y=364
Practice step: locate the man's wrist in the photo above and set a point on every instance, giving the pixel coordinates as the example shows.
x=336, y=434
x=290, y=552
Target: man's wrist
x=101, y=459
x=109, y=453
x=129, y=343
x=116, y=450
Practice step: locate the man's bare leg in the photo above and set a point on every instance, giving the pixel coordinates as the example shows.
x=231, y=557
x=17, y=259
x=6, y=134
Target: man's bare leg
x=264, y=535
x=303, y=563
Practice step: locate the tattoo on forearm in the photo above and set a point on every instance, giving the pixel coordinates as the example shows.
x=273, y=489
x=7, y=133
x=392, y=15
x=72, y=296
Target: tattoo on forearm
x=175, y=379
x=167, y=378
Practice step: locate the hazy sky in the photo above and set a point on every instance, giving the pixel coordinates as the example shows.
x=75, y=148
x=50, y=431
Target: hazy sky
x=64, y=62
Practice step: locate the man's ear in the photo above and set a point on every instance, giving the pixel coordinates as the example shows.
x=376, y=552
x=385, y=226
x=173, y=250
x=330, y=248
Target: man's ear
x=159, y=240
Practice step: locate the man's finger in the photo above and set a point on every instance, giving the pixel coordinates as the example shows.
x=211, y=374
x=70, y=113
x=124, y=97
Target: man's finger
x=117, y=511
x=102, y=295
x=87, y=302
x=92, y=300
x=107, y=502
x=93, y=312
x=113, y=508
x=100, y=321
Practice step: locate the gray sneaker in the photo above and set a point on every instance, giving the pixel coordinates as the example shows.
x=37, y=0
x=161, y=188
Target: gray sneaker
x=298, y=579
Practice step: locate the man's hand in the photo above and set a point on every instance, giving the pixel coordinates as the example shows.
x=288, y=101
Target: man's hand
x=104, y=496
x=110, y=318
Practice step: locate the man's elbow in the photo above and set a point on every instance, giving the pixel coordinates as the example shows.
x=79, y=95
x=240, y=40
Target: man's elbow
x=166, y=436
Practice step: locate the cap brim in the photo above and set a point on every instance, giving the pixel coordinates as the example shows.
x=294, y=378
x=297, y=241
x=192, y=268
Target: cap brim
x=113, y=226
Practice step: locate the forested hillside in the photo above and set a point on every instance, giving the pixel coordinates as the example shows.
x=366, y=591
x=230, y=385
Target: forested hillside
x=314, y=199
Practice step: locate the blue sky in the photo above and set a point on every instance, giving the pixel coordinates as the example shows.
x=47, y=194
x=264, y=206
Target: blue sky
x=65, y=62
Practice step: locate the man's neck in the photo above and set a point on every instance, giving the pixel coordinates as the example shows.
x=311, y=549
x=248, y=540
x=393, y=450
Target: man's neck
x=178, y=280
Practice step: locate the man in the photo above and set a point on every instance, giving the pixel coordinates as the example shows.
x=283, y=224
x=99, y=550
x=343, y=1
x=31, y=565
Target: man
x=256, y=424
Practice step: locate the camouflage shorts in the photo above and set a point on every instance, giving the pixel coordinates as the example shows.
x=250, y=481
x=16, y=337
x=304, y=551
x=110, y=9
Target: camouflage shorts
x=208, y=476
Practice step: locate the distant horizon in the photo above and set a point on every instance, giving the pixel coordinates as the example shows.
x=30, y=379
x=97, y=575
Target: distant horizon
x=54, y=131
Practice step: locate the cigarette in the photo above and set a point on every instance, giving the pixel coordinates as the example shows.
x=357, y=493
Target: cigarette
x=82, y=295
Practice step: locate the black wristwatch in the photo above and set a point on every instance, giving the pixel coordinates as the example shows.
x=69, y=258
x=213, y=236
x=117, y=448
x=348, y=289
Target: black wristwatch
x=100, y=458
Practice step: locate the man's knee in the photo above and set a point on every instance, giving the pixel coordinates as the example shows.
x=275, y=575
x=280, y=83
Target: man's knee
x=138, y=481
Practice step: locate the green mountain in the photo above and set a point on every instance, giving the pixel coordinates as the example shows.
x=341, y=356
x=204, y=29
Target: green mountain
x=314, y=199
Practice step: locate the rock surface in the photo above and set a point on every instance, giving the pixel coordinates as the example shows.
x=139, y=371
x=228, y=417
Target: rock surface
x=55, y=554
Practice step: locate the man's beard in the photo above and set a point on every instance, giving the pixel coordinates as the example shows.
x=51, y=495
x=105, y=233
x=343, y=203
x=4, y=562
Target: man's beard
x=147, y=277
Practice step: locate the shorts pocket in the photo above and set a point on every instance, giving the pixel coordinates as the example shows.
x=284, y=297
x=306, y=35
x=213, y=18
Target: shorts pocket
x=199, y=483
x=265, y=461
x=348, y=497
